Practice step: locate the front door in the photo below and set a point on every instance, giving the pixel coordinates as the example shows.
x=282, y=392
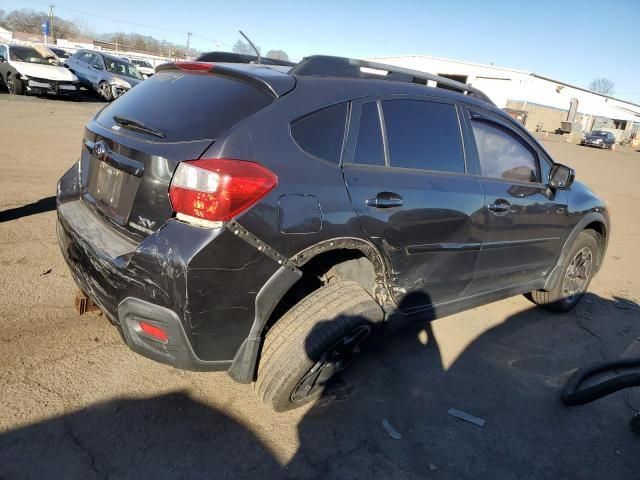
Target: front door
x=404, y=168
x=524, y=226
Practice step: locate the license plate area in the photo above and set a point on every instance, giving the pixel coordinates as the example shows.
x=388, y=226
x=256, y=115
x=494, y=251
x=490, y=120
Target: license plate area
x=111, y=190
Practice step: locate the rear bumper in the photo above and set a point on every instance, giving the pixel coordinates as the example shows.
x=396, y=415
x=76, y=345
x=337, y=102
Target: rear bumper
x=90, y=251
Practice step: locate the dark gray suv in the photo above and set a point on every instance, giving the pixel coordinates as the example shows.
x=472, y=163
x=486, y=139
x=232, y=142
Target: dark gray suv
x=239, y=218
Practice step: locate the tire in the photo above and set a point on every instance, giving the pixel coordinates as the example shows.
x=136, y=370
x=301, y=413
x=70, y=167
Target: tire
x=104, y=90
x=15, y=86
x=314, y=342
x=569, y=288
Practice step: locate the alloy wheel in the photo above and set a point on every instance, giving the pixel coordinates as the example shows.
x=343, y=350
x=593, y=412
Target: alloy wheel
x=577, y=274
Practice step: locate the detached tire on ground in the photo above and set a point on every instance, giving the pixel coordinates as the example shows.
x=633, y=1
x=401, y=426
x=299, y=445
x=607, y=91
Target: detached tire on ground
x=573, y=281
x=314, y=342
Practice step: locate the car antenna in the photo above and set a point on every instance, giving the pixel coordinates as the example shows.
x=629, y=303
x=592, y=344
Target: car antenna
x=252, y=45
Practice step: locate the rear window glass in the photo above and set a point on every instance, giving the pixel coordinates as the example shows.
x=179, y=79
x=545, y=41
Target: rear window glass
x=424, y=135
x=322, y=133
x=186, y=106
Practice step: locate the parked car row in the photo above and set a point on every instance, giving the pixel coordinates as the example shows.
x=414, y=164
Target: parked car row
x=45, y=70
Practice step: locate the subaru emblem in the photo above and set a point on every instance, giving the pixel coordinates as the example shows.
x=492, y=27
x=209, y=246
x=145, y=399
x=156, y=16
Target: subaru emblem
x=99, y=150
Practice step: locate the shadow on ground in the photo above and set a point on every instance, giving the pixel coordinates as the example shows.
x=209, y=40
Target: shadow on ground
x=43, y=205
x=511, y=376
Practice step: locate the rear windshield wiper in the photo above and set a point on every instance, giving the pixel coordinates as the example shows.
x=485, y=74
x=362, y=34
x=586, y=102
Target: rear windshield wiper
x=135, y=125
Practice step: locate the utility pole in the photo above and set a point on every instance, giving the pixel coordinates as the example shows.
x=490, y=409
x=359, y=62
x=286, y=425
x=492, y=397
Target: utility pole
x=53, y=35
x=188, y=42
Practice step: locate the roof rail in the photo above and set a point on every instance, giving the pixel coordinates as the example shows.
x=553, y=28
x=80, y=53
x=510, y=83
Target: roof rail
x=325, y=65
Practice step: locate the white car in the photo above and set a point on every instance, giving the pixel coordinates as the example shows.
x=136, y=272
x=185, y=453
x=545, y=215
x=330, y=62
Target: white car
x=144, y=67
x=35, y=70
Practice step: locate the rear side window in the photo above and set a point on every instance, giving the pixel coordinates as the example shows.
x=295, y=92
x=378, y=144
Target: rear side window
x=369, y=146
x=187, y=106
x=424, y=135
x=502, y=154
x=322, y=133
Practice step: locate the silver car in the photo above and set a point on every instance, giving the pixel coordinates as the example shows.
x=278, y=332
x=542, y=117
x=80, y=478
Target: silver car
x=109, y=75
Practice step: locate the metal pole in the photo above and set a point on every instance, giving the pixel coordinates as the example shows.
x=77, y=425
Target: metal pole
x=186, y=53
x=53, y=36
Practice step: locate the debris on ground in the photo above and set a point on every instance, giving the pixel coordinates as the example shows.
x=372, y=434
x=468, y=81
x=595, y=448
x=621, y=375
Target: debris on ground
x=432, y=467
x=466, y=417
x=393, y=433
x=47, y=272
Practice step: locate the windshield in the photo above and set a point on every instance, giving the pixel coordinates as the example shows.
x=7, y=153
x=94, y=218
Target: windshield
x=31, y=55
x=142, y=63
x=598, y=133
x=121, y=67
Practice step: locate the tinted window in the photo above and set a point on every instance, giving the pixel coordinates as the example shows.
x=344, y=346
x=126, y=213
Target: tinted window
x=369, y=146
x=187, y=106
x=502, y=154
x=423, y=135
x=3, y=52
x=322, y=133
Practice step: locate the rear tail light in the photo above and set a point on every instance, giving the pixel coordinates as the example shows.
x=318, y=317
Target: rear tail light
x=216, y=190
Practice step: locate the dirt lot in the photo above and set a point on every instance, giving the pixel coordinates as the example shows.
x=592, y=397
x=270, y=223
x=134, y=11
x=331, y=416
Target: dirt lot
x=76, y=403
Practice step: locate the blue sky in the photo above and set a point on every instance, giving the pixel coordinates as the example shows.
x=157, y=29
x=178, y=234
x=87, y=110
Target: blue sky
x=572, y=41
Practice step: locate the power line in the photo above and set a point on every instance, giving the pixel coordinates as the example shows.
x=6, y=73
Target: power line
x=134, y=24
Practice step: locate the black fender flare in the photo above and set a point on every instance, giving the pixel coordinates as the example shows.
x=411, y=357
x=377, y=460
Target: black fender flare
x=589, y=218
x=244, y=364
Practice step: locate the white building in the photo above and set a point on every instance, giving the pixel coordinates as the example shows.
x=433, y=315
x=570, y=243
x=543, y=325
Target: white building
x=546, y=101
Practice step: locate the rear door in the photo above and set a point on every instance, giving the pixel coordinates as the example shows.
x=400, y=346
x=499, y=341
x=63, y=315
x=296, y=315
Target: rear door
x=404, y=167
x=524, y=219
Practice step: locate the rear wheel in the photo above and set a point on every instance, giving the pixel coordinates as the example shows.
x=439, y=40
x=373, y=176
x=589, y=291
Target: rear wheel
x=314, y=342
x=577, y=272
x=15, y=86
x=104, y=90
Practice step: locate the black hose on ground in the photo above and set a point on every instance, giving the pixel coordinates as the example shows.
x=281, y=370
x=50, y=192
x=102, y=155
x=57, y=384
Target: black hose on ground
x=572, y=396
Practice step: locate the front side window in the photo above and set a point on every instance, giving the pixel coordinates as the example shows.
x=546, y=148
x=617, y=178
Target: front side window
x=424, y=135
x=369, y=146
x=322, y=133
x=502, y=154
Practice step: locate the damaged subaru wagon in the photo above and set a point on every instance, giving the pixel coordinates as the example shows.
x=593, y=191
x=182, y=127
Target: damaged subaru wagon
x=267, y=221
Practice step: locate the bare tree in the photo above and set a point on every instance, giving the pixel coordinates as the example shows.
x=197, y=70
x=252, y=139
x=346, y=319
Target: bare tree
x=278, y=55
x=29, y=21
x=244, y=48
x=602, y=85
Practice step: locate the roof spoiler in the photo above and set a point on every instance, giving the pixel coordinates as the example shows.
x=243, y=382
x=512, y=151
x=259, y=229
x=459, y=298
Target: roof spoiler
x=272, y=81
x=325, y=65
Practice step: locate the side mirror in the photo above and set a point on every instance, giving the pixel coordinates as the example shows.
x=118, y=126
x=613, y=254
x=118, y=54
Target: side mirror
x=561, y=177
x=2, y=59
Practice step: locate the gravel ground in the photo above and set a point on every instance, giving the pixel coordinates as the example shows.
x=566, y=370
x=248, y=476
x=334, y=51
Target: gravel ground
x=75, y=403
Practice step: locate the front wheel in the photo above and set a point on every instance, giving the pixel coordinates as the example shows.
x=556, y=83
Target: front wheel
x=314, y=342
x=15, y=86
x=577, y=272
x=104, y=90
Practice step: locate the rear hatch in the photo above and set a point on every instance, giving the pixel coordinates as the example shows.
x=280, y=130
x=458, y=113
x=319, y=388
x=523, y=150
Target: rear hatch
x=133, y=146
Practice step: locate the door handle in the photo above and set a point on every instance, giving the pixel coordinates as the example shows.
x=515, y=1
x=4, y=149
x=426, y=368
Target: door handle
x=385, y=200
x=500, y=207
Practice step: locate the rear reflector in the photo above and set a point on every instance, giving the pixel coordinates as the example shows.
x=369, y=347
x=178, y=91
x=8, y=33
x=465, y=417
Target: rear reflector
x=216, y=190
x=154, y=332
